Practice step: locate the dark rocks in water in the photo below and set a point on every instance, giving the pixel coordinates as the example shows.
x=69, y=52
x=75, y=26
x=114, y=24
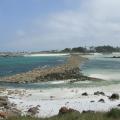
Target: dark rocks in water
x=114, y=96
x=102, y=101
x=115, y=57
x=92, y=101
x=64, y=110
x=99, y=93
x=85, y=94
x=88, y=111
x=67, y=74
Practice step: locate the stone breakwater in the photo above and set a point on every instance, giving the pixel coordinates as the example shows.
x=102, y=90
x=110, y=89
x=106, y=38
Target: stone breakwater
x=70, y=70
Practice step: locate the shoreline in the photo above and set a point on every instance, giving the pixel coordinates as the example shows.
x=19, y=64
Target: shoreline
x=94, y=98
x=51, y=100
x=67, y=71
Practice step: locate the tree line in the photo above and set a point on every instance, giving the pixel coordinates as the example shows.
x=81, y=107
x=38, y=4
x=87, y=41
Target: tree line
x=99, y=49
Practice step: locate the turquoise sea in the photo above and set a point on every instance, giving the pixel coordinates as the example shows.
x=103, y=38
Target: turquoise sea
x=14, y=65
x=98, y=66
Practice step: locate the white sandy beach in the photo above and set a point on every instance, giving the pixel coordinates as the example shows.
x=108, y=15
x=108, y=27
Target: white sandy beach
x=51, y=100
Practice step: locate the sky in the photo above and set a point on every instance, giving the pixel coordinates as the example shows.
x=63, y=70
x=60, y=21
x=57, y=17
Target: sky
x=33, y=25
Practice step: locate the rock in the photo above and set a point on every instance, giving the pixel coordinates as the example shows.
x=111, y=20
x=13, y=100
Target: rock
x=52, y=97
x=118, y=105
x=64, y=110
x=8, y=108
x=33, y=110
x=72, y=110
x=96, y=93
x=3, y=115
x=84, y=94
x=4, y=102
x=102, y=101
x=92, y=101
x=99, y=93
x=114, y=96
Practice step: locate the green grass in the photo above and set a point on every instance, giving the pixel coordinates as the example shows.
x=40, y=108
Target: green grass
x=113, y=114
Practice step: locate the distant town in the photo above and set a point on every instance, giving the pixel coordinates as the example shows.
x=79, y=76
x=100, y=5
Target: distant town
x=98, y=49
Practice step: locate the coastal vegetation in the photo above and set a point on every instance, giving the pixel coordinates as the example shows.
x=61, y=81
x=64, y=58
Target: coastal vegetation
x=99, y=49
x=113, y=114
x=80, y=49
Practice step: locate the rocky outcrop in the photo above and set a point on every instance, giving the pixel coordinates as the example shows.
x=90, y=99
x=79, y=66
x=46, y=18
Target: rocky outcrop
x=7, y=109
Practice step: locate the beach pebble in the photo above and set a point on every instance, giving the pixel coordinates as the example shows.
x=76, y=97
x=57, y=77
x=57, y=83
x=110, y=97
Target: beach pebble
x=102, y=101
x=85, y=94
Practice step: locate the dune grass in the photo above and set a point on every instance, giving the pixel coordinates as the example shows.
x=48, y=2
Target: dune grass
x=113, y=114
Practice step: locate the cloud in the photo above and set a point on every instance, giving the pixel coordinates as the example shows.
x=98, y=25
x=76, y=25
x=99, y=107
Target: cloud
x=94, y=22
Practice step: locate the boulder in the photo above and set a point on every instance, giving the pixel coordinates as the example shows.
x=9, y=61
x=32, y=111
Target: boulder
x=114, y=96
x=84, y=94
x=3, y=115
x=64, y=110
x=33, y=110
x=102, y=101
x=118, y=105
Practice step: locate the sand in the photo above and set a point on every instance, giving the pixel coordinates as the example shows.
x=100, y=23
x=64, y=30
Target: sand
x=51, y=100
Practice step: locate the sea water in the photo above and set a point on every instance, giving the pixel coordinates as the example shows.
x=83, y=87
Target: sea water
x=102, y=66
x=14, y=65
x=98, y=66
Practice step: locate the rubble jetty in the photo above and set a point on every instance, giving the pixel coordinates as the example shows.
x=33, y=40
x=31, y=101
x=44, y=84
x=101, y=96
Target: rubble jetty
x=70, y=70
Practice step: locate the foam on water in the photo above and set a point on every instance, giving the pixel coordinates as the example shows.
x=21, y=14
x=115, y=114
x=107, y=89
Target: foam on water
x=103, y=67
x=106, y=76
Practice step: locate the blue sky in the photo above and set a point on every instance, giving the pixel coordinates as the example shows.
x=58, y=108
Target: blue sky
x=34, y=25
